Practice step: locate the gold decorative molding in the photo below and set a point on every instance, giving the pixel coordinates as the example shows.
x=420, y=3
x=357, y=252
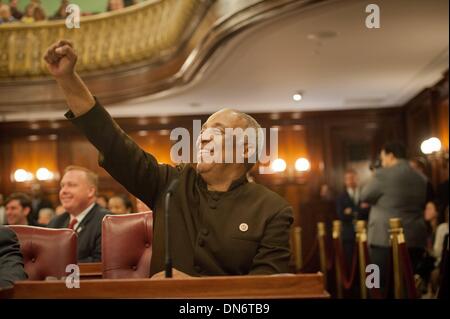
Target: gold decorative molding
x=115, y=59
x=103, y=41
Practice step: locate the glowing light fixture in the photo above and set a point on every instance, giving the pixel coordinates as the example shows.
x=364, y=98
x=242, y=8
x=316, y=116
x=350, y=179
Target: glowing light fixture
x=278, y=165
x=43, y=174
x=22, y=175
x=297, y=97
x=431, y=145
x=302, y=165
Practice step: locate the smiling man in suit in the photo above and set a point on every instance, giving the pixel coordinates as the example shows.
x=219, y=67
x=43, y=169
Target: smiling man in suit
x=78, y=197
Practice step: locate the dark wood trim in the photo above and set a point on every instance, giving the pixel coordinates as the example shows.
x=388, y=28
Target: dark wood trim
x=239, y=287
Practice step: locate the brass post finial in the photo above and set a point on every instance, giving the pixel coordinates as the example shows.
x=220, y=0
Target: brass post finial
x=396, y=238
x=361, y=239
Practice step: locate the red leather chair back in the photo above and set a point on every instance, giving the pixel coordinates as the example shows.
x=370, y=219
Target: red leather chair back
x=46, y=252
x=127, y=245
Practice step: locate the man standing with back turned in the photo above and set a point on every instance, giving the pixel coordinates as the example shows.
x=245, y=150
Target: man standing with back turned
x=220, y=223
x=395, y=191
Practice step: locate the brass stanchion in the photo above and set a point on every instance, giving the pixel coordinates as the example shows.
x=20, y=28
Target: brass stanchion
x=321, y=232
x=396, y=238
x=361, y=240
x=337, y=228
x=298, y=248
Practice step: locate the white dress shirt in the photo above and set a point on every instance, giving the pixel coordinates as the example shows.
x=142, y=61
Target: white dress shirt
x=80, y=217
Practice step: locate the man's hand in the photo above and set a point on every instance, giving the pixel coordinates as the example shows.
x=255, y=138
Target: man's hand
x=365, y=205
x=176, y=274
x=61, y=59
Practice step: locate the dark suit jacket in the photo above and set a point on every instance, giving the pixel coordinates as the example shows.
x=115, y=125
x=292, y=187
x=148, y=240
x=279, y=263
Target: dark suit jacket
x=37, y=206
x=11, y=259
x=345, y=201
x=244, y=230
x=89, y=233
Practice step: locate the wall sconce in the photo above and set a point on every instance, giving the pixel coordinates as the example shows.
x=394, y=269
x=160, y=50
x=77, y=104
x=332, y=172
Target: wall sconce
x=278, y=165
x=22, y=175
x=42, y=174
x=430, y=146
x=302, y=165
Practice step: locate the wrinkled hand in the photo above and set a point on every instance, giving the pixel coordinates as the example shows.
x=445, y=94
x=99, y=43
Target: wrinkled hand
x=365, y=205
x=176, y=274
x=61, y=59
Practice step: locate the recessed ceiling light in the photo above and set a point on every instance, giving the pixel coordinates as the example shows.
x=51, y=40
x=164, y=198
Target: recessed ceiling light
x=297, y=96
x=195, y=104
x=322, y=35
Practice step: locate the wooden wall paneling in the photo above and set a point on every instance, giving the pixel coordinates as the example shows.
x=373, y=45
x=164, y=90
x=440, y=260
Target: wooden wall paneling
x=443, y=124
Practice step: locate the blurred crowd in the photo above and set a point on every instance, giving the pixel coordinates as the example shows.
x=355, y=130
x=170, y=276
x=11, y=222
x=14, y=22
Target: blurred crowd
x=35, y=209
x=34, y=11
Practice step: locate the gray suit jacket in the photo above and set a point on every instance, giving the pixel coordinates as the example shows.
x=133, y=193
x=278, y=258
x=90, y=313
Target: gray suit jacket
x=396, y=191
x=11, y=260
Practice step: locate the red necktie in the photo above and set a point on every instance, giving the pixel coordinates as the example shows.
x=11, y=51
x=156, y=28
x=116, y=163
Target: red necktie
x=72, y=223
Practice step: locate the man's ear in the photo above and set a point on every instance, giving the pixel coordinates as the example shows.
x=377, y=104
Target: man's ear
x=92, y=192
x=27, y=211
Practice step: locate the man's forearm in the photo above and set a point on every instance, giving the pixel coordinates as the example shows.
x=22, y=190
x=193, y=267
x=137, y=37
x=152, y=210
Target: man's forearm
x=78, y=96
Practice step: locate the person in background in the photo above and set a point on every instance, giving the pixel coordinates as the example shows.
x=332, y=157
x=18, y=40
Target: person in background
x=59, y=210
x=441, y=232
x=120, y=204
x=28, y=16
x=395, y=191
x=78, y=196
x=114, y=5
x=431, y=215
x=350, y=209
x=34, y=13
x=102, y=200
x=38, y=202
x=419, y=164
x=18, y=207
x=45, y=216
x=2, y=211
x=5, y=14
x=61, y=12
x=39, y=14
x=440, y=237
x=128, y=3
x=15, y=12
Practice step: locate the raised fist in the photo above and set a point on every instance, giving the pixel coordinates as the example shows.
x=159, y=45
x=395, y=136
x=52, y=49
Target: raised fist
x=61, y=59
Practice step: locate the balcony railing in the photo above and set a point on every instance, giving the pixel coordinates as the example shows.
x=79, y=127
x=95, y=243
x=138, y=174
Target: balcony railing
x=146, y=31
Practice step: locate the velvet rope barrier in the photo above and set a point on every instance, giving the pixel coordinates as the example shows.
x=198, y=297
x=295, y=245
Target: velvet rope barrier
x=347, y=282
x=376, y=293
x=330, y=258
x=408, y=273
x=311, y=254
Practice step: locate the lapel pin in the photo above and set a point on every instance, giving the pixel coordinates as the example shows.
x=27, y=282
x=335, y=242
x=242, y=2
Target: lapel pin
x=243, y=227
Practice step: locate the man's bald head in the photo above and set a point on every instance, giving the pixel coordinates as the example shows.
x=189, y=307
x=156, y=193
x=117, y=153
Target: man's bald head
x=217, y=130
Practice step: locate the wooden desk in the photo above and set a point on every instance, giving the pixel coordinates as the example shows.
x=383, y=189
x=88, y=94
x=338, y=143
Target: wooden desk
x=294, y=286
x=90, y=271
